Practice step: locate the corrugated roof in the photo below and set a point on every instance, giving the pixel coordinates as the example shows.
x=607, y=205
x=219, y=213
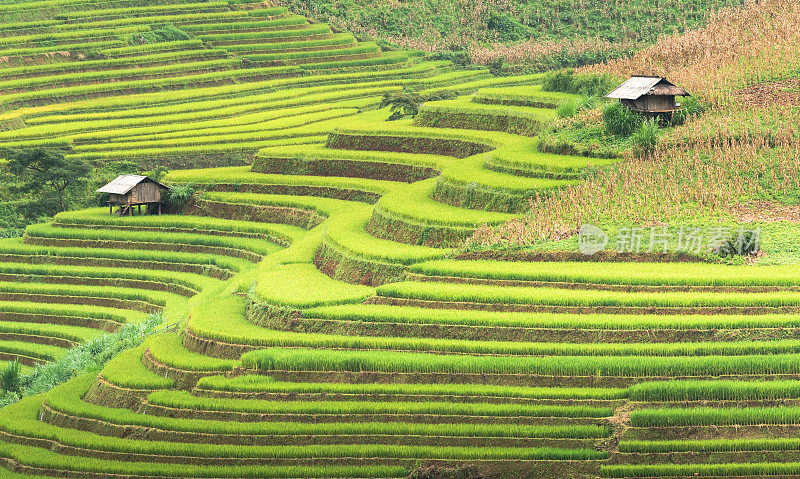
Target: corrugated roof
x=638, y=86
x=634, y=87
x=124, y=183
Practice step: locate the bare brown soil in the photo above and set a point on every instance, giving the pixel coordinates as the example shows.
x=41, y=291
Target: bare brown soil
x=713, y=432
x=105, y=393
x=382, y=377
x=237, y=416
x=779, y=93
x=611, y=256
x=207, y=232
x=343, y=267
x=258, y=213
x=705, y=457
x=766, y=211
x=347, y=194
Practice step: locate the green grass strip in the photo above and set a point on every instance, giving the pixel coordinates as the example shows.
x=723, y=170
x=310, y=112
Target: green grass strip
x=702, y=470
x=433, y=291
x=672, y=274
x=252, y=383
x=715, y=390
x=632, y=366
x=707, y=416
x=410, y=315
x=184, y=400
x=67, y=399
x=127, y=371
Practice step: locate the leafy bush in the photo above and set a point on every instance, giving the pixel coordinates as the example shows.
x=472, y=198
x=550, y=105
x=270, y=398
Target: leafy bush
x=406, y=102
x=690, y=108
x=158, y=172
x=560, y=80
x=569, y=108
x=568, y=82
x=507, y=28
x=645, y=139
x=620, y=120
x=402, y=103
x=456, y=55
x=387, y=46
x=741, y=243
x=158, y=34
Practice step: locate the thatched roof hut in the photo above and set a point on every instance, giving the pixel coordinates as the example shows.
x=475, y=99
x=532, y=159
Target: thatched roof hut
x=648, y=94
x=127, y=191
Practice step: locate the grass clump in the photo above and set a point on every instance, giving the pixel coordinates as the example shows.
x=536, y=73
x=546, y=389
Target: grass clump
x=645, y=138
x=620, y=120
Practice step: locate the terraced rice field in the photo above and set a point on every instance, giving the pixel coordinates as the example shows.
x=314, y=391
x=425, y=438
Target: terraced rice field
x=326, y=326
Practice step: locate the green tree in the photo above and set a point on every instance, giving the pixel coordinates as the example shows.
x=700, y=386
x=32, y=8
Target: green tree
x=406, y=102
x=43, y=172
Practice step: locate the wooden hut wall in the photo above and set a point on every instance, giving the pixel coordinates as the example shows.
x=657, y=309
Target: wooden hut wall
x=145, y=192
x=660, y=102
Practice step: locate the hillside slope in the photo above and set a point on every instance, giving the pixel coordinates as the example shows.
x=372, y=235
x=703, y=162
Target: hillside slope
x=530, y=34
x=326, y=324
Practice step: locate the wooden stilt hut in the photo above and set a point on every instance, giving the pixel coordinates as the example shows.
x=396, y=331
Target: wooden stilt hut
x=649, y=95
x=128, y=191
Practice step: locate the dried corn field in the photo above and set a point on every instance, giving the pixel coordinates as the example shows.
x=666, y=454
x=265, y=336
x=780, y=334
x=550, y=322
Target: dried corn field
x=738, y=151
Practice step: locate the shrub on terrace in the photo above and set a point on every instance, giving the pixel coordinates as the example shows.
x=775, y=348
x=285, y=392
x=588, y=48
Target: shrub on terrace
x=645, y=139
x=158, y=34
x=584, y=84
x=10, y=378
x=690, y=108
x=406, y=102
x=567, y=109
x=179, y=197
x=455, y=54
x=619, y=120
x=506, y=27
